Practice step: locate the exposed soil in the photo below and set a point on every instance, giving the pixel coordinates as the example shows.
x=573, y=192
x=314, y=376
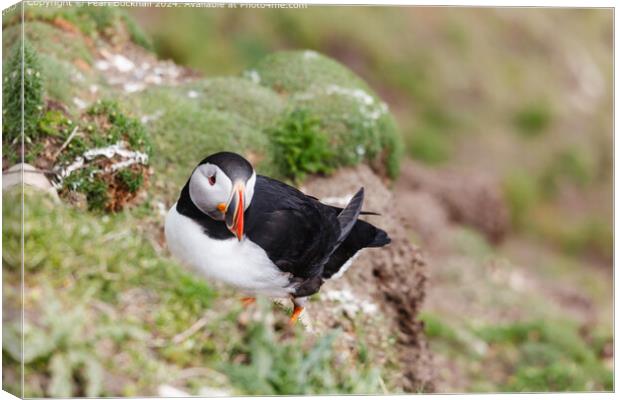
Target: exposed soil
x=393, y=277
x=435, y=205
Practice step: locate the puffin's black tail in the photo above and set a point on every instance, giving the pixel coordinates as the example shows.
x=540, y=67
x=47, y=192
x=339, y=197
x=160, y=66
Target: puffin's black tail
x=362, y=235
x=381, y=239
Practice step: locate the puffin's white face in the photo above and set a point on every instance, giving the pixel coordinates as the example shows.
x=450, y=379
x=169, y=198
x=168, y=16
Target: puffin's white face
x=210, y=190
x=222, y=199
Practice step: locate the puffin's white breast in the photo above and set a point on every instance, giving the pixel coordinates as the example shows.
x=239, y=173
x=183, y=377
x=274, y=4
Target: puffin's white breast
x=242, y=264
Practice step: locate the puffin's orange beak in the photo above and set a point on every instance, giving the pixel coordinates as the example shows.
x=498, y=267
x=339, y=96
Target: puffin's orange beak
x=235, y=210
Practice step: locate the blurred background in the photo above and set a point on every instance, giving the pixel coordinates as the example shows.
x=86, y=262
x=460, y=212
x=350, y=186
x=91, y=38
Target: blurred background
x=521, y=95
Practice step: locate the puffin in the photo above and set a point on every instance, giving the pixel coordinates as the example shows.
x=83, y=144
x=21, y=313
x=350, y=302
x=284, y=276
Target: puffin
x=262, y=236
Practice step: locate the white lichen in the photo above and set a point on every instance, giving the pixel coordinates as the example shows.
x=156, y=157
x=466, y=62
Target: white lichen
x=128, y=158
x=122, y=63
x=349, y=303
x=369, y=108
x=145, y=119
x=310, y=54
x=79, y=103
x=252, y=75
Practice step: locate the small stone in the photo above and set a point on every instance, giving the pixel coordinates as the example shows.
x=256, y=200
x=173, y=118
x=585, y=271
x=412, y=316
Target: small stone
x=32, y=177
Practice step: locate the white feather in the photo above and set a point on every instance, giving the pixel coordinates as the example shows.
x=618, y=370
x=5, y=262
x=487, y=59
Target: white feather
x=242, y=264
x=346, y=266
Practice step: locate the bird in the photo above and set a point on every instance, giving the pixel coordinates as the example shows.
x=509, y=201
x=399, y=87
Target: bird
x=263, y=236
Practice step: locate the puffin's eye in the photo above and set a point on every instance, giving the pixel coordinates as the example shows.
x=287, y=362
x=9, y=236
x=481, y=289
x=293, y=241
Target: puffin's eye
x=212, y=180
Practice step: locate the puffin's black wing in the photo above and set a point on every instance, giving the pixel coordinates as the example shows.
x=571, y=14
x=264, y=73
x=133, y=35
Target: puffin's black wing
x=297, y=232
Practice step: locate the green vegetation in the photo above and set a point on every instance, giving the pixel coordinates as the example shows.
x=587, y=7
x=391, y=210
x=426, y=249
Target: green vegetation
x=105, y=311
x=343, y=125
x=300, y=146
x=131, y=179
x=576, y=236
x=184, y=130
x=358, y=124
x=17, y=73
x=429, y=145
x=552, y=356
x=522, y=194
x=115, y=125
x=570, y=166
x=535, y=356
x=95, y=22
x=54, y=123
x=533, y=119
x=104, y=124
x=286, y=368
x=302, y=71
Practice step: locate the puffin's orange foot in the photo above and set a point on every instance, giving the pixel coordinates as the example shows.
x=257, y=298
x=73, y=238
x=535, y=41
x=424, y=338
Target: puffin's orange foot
x=295, y=316
x=248, y=301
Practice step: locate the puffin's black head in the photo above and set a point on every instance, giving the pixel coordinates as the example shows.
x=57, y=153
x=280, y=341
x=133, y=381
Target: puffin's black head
x=222, y=186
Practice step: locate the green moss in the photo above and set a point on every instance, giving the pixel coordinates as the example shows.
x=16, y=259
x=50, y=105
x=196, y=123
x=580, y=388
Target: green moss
x=299, y=71
x=184, y=131
x=533, y=119
x=300, y=146
x=256, y=104
x=54, y=123
x=32, y=105
x=121, y=126
x=358, y=123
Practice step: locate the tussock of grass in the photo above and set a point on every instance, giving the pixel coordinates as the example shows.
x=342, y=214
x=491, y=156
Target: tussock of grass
x=29, y=63
x=531, y=356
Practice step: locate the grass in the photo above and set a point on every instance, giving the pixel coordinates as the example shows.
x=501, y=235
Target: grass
x=529, y=356
x=12, y=94
x=552, y=356
x=103, y=308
